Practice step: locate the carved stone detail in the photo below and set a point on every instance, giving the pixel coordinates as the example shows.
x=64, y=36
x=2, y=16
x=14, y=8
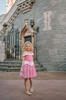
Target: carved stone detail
x=26, y=5
x=2, y=17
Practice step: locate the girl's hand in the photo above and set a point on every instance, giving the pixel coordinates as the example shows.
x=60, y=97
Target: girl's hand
x=21, y=69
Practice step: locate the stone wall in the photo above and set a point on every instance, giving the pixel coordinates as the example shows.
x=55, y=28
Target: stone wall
x=2, y=51
x=51, y=49
x=51, y=39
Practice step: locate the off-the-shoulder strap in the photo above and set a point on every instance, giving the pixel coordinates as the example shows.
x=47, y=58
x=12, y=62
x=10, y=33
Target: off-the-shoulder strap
x=32, y=53
x=24, y=53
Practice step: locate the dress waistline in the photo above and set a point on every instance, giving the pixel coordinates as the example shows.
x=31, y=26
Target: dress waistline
x=27, y=62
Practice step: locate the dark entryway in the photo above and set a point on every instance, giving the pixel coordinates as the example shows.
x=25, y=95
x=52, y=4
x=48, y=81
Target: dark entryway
x=28, y=38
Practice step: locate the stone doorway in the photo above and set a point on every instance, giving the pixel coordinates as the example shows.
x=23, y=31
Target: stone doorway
x=26, y=35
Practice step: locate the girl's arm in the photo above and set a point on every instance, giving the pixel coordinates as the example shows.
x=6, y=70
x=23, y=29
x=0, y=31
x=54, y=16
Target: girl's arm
x=23, y=62
x=32, y=57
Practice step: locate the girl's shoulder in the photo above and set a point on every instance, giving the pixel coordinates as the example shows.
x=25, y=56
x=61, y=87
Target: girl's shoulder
x=24, y=53
x=32, y=53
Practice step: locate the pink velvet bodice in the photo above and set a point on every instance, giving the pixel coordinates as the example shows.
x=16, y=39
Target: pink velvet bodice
x=28, y=58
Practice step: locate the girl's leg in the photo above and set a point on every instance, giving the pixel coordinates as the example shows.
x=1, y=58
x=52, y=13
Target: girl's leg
x=25, y=83
x=31, y=83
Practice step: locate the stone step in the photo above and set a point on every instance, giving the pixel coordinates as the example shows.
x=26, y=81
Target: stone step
x=17, y=69
x=14, y=65
x=12, y=59
x=14, y=62
x=10, y=62
x=19, y=60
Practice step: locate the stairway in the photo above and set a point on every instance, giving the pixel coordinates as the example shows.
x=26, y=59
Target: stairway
x=14, y=65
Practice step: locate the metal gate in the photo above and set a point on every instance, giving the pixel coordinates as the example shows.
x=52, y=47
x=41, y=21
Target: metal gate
x=12, y=44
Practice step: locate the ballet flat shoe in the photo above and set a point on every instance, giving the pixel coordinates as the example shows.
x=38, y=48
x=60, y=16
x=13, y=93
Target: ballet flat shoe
x=28, y=93
x=31, y=90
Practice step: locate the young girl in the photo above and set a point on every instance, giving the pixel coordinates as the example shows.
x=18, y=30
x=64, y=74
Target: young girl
x=28, y=70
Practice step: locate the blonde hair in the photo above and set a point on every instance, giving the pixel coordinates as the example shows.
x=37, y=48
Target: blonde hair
x=32, y=47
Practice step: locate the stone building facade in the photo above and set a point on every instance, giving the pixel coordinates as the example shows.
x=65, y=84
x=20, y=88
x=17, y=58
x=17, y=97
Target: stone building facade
x=48, y=35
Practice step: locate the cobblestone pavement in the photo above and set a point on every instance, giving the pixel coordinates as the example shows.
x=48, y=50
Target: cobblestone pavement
x=44, y=75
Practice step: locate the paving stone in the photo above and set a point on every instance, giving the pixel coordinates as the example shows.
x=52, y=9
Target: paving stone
x=43, y=90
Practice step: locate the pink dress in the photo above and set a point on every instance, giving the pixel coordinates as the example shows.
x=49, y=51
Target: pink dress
x=29, y=70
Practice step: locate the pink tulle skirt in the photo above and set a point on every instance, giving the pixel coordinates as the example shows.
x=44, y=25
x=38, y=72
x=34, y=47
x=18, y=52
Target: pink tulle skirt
x=28, y=71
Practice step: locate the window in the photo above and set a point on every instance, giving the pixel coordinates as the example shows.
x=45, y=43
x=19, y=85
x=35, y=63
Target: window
x=47, y=20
